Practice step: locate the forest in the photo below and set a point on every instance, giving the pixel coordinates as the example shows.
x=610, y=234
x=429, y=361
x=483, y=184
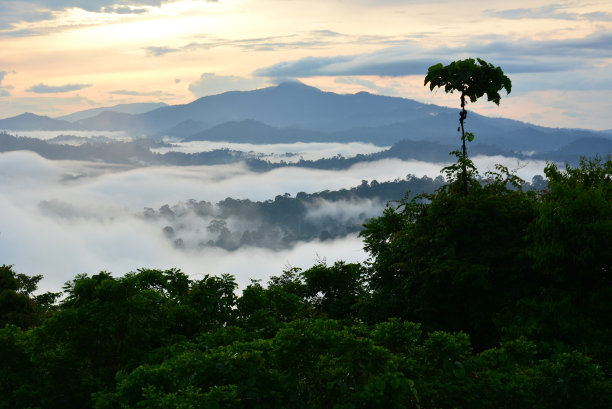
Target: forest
x=495, y=298
x=283, y=222
x=478, y=293
x=141, y=152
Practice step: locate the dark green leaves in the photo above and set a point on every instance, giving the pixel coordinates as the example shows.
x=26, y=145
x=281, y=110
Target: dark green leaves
x=471, y=78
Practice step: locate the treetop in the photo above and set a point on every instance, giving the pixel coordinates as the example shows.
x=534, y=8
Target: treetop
x=473, y=78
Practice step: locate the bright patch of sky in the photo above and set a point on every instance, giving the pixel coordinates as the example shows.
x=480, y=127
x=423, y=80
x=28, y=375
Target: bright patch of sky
x=62, y=56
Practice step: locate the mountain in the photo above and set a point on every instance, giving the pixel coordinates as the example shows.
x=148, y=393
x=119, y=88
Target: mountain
x=252, y=131
x=33, y=122
x=116, y=121
x=136, y=108
x=184, y=129
x=589, y=146
x=292, y=112
x=289, y=104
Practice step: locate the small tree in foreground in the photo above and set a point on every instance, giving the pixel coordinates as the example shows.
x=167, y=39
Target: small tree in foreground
x=473, y=79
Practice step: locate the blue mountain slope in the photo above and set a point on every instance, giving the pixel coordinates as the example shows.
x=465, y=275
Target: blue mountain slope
x=293, y=112
x=33, y=122
x=296, y=105
x=135, y=108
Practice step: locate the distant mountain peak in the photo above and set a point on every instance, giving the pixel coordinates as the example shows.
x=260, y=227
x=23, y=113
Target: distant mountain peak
x=30, y=115
x=32, y=122
x=134, y=109
x=295, y=85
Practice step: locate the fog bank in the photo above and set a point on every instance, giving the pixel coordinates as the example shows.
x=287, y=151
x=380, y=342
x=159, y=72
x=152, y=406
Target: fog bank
x=62, y=218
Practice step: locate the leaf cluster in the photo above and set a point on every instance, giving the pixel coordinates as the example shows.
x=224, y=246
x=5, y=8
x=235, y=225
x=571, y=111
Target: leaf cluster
x=472, y=78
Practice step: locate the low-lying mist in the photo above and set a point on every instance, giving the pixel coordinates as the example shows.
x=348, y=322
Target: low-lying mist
x=85, y=136
x=290, y=152
x=62, y=218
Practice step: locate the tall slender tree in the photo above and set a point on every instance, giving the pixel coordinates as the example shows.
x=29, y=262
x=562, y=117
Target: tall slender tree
x=472, y=79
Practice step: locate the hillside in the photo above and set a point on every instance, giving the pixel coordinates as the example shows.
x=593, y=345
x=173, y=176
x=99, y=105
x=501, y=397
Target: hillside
x=292, y=112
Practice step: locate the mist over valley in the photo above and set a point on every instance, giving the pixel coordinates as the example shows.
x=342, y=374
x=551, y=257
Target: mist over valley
x=277, y=177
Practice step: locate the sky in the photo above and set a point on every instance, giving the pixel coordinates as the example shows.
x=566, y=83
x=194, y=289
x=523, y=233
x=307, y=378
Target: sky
x=62, y=56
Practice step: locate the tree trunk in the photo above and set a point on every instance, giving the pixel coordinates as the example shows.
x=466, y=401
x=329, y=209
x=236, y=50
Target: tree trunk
x=464, y=176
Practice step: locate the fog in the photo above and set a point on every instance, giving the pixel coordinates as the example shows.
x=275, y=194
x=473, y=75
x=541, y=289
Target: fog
x=290, y=152
x=344, y=210
x=62, y=218
x=46, y=135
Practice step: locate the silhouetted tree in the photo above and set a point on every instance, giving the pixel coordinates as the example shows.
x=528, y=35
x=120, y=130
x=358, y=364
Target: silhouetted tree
x=472, y=80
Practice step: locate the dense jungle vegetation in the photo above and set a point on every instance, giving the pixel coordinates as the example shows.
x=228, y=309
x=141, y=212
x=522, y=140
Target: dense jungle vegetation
x=498, y=298
x=481, y=294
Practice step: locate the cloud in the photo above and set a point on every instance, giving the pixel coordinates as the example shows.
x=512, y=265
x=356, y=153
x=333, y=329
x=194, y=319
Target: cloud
x=290, y=152
x=392, y=61
x=211, y=84
x=344, y=210
x=140, y=93
x=159, y=51
x=304, y=67
x=62, y=218
x=5, y=90
x=126, y=10
x=595, y=46
x=89, y=5
x=515, y=56
x=14, y=12
x=549, y=11
x=52, y=89
x=327, y=33
x=298, y=41
x=371, y=85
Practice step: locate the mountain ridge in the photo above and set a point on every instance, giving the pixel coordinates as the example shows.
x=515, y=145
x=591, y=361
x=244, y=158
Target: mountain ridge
x=292, y=112
x=132, y=108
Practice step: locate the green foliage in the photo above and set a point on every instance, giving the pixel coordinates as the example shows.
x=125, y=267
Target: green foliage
x=280, y=223
x=572, y=258
x=571, y=380
x=397, y=336
x=334, y=291
x=472, y=79
x=17, y=305
x=574, y=226
x=450, y=261
x=16, y=369
x=498, y=298
x=460, y=171
x=214, y=299
x=264, y=310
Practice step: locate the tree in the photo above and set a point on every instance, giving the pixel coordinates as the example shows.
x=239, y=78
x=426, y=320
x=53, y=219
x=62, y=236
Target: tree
x=335, y=291
x=17, y=304
x=572, y=261
x=452, y=262
x=472, y=80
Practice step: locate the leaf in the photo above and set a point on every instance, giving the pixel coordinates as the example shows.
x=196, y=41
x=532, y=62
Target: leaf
x=459, y=370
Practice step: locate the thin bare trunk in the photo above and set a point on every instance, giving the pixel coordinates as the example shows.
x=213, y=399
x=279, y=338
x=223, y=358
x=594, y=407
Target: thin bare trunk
x=462, y=116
